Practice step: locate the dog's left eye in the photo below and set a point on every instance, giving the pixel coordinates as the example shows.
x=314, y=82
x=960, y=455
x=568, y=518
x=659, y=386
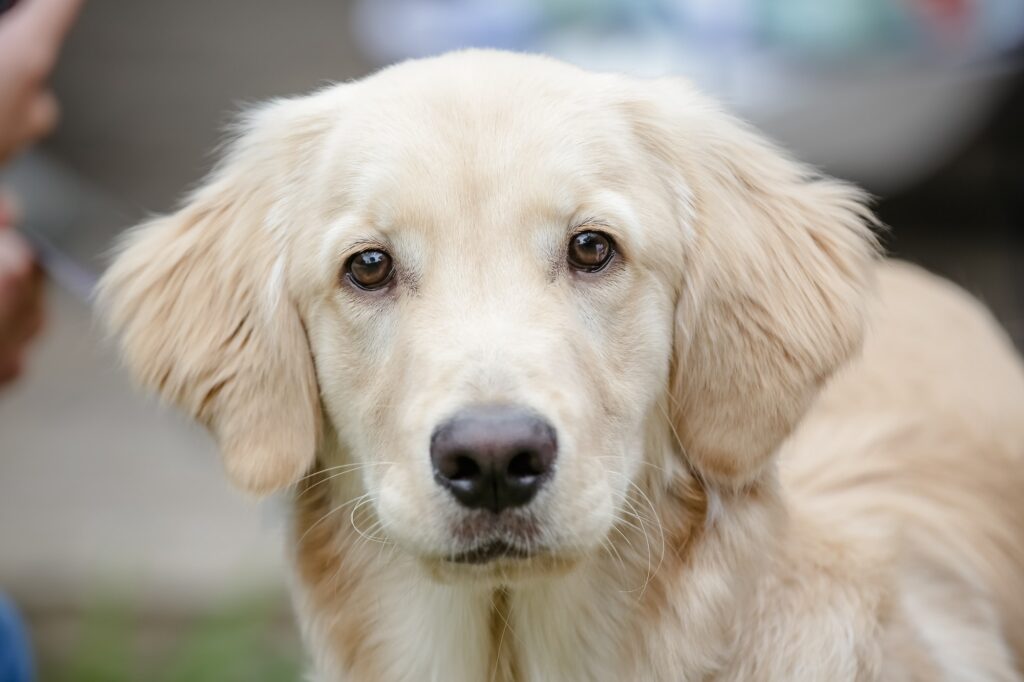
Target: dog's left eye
x=590, y=251
x=370, y=269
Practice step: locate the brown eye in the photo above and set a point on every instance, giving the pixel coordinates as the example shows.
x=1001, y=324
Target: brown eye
x=370, y=269
x=590, y=251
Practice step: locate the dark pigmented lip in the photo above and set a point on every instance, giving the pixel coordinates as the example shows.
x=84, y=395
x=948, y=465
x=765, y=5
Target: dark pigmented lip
x=490, y=551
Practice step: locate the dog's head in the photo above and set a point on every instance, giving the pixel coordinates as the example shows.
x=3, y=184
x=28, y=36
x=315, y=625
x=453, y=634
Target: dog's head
x=484, y=286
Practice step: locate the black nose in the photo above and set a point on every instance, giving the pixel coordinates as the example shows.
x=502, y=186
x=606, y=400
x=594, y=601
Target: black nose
x=493, y=457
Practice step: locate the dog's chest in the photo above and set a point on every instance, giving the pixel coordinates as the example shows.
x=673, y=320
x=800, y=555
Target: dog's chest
x=422, y=631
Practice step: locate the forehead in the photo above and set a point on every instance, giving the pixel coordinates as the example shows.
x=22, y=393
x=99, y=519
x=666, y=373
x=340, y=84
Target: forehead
x=415, y=149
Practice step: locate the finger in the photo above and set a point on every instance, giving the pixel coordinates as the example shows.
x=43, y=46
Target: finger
x=16, y=258
x=23, y=323
x=34, y=119
x=37, y=322
x=16, y=275
x=10, y=369
x=25, y=327
x=48, y=21
x=8, y=211
x=42, y=115
x=30, y=320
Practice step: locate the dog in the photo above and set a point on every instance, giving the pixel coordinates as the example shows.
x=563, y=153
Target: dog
x=573, y=376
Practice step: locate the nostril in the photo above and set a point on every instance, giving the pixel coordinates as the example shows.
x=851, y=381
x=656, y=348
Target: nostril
x=462, y=468
x=525, y=464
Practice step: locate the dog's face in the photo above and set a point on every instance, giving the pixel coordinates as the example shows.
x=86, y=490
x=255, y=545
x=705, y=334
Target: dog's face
x=490, y=314
x=482, y=286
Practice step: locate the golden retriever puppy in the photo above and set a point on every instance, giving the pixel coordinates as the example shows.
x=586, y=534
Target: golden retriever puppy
x=572, y=376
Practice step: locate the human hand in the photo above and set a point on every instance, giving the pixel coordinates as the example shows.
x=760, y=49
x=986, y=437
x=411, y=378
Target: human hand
x=21, y=296
x=31, y=34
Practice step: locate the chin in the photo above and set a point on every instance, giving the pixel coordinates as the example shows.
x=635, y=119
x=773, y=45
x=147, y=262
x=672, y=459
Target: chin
x=497, y=564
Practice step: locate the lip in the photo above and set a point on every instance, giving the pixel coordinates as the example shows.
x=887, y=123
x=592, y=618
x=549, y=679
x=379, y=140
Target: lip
x=490, y=551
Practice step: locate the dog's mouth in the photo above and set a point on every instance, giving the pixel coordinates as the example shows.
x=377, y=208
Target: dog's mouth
x=500, y=561
x=490, y=551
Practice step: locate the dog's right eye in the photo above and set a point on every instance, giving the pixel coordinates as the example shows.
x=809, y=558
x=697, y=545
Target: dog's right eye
x=370, y=269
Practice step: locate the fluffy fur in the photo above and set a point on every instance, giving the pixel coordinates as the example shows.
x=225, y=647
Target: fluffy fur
x=781, y=457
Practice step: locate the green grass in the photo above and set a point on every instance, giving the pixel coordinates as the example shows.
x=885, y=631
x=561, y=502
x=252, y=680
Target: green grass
x=243, y=642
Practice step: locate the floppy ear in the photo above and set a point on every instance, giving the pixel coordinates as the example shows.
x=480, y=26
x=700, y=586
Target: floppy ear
x=201, y=303
x=778, y=271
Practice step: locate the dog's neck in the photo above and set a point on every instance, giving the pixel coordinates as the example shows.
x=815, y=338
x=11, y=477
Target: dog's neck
x=371, y=612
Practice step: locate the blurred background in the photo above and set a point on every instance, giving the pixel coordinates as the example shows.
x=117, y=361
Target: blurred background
x=119, y=538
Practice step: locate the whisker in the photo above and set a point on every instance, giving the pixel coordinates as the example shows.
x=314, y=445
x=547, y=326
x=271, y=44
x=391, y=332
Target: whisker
x=352, y=521
x=647, y=540
x=642, y=463
x=661, y=533
x=309, y=488
x=329, y=513
x=347, y=468
x=654, y=520
x=501, y=638
x=390, y=545
x=609, y=546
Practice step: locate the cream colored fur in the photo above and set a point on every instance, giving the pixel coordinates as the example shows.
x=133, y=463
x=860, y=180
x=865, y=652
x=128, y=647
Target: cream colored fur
x=747, y=489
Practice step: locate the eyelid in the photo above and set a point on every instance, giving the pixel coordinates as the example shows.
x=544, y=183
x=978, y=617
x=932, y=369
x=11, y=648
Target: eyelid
x=590, y=221
x=366, y=244
x=594, y=224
